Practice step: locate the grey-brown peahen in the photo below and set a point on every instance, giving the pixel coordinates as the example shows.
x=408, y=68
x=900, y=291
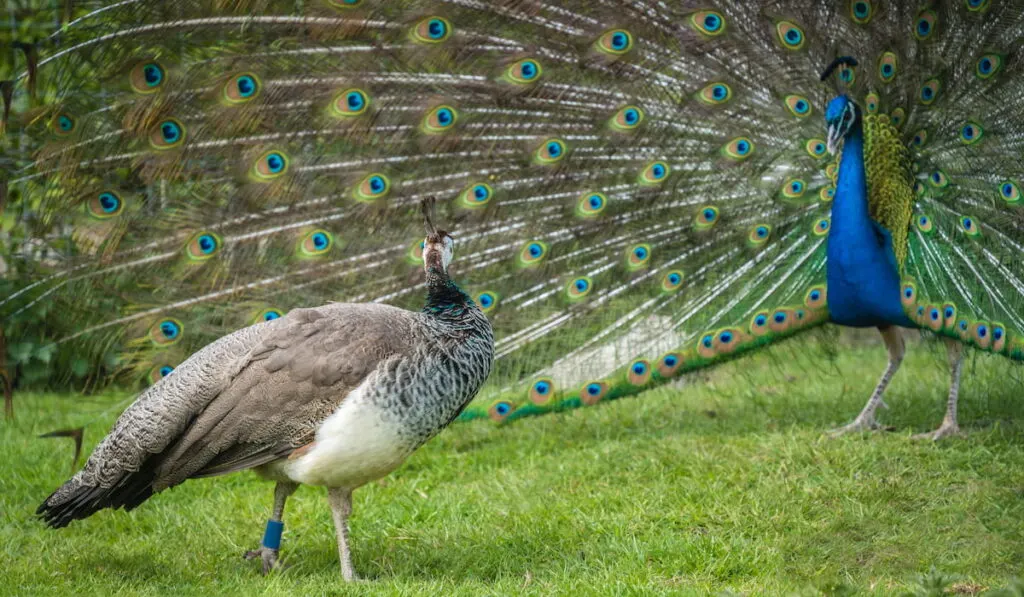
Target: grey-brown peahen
x=639, y=188
x=337, y=396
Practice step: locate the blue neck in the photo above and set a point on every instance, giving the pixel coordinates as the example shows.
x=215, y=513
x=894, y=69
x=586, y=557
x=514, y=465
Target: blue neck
x=863, y=278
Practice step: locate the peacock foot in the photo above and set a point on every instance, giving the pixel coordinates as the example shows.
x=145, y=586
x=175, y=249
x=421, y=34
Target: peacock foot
x=267, y=555
x=858, y=425
x=945, y=430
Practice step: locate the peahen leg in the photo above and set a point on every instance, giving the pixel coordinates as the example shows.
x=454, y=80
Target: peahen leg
x=341, y=507
x=955, y=353
x=271, y=544
x=893, y=338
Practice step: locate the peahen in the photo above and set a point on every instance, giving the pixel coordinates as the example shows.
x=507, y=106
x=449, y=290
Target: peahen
x=639, y=188
x=337, y=396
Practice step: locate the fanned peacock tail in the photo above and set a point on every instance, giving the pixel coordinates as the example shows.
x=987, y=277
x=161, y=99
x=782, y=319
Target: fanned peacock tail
x=637, y=188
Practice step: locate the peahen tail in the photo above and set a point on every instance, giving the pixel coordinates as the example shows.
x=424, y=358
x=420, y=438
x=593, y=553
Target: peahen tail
x=636, y=188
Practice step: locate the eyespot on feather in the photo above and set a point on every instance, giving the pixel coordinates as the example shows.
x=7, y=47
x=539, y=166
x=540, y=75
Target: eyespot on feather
x=706, y=218
x=933, y=317
x=977, y=5
x=476, y=195
x=793, y=189
x=791, y=36
x=63, y=124
x=938, y=180
x=202, y=246
x=971, y=133
x=924, y=26
x=970, y=226
x=166, y=331
x=316, y=243
x=759, y=235
x=639, y=373
x=949, y=316
x=924, y=224
x=147, y=77
x=414, y=254
x=591, y=205
x=270, y=165
x=373, y=187
x=169, y=134
x=887, y=67
x=349, y=103
x=159, y=372
x=871, y=101
x=431, y=30
x=1009, y=191
x=523, y=72
x=626, y=119
x=929, y=91
x=669, y=365
x=816, y=297
x=615, y=42
x=638, y=256
x=781, y=320
x=908, y=295
x=821, y=227
x=759, y=324
x=988, y=65
x=816, y=148
x=105, y=205
x=268, y=314
x=488, y=299
x=499, y=411
x=981, y=334
x=542, y=392
x=439, y=119
x=551, y=151
x=241, y=88
x=654, y=173
x=826, y=194
x=591, y=393
x=739, y=148
x=714, y=94
x=998, y=337
x=708, y=22
x=578, y=289
x=897, y=116
x=861, y=11
x=798, y=106
x=532, y=253
x=672, y=281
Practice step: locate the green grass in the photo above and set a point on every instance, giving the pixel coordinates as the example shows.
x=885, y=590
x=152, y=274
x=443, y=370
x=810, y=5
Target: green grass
x=724, y=484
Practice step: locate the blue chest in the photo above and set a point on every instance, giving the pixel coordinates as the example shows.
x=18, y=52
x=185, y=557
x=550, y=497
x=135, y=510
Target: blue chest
x=863, y=278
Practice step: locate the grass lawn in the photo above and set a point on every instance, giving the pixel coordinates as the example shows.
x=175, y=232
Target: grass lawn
x=723, y=484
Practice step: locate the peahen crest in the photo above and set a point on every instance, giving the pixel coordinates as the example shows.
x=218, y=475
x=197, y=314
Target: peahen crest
x=639, y=189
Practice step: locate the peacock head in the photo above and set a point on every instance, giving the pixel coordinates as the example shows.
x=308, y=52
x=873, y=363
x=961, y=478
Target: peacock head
x=841, y=115
x=439, y=246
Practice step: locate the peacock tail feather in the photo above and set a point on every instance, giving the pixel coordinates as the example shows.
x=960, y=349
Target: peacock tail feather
x=637, y=189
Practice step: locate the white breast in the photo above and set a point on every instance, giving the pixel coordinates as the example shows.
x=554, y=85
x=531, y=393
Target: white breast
x=355, y=445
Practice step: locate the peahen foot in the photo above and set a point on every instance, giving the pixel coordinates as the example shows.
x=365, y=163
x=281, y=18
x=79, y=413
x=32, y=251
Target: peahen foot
x=268, y=556
x=945, y=430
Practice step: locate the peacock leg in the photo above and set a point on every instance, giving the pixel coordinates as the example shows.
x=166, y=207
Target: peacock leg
x=955, y=353
x=271, y=545
x=341, y=507
x=865, y=421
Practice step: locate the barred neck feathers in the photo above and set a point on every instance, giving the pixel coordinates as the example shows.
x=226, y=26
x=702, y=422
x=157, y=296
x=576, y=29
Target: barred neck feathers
x=445, y=300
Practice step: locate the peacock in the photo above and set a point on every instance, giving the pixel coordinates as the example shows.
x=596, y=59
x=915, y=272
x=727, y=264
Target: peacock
x=335, y=396
x=638, y=188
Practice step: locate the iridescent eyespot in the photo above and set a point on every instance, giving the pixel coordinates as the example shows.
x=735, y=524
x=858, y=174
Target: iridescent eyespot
x=791, y=35
x=432, y=30
x=523, y=72
x=542, y=392
x=924, y=224
x=981, y=334
x=826, y=194
x=639, y=373
x=706, y=218
x=932, y=318
x=147, y=77
x=887, y=66
x=816, y=148
x=654, y=173
x=270, y=165
x=847, y=74
x=349, y=103
x=240, y=88
x=949, y=316
x=591, y=204
x=1009, y=192
x=532, y=253
x=202, y=246
x=593, y=392
x=970, y=226
x=971, y=133
x=476, y=195
x=988, y=65
x=268, y=314
x=414, y=255
x=669, y=365
x=782, y=319
x=897, y=116
x=63, y=124
x=705, y=346
x=578, y=288
x=344, y=4
x=615, y=42
x=739, y=148
x=167, y=135
x=998, y=337
x=439, y=120
x=861, y=11
x=821, y=227
x=158, y=373
x=930, y=91
x=672, y=281
x=487, y=300
x=871, y=103
x=714, y=94
x=798, y=105
x=316, y=243
x=499, y=411
x=759, y=235
x=708, y=22
x=372, y=187
x=832, y=170
x=166, y=332
x=551, y=151
x=628, y=118
x=938, y=179
x=924, y=27
x=908, y=296
x=794, y=189
x=977, y=5
x=638, y=256
x=759, y=323
x=920, y=138
x=105, y=205
x=816, y=297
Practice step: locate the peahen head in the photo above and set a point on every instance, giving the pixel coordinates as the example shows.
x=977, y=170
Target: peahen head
x=439, y=246
x=841, y=115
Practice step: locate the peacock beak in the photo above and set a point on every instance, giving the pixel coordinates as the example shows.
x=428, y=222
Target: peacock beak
x=835, y=135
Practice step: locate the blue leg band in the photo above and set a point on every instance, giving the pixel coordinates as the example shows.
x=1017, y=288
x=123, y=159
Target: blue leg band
x=272, y=536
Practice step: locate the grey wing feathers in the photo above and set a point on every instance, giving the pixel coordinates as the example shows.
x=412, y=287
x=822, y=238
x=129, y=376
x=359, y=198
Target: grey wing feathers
x=246, y=399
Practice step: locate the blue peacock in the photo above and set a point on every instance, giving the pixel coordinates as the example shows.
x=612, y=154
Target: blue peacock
x=638, y=189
